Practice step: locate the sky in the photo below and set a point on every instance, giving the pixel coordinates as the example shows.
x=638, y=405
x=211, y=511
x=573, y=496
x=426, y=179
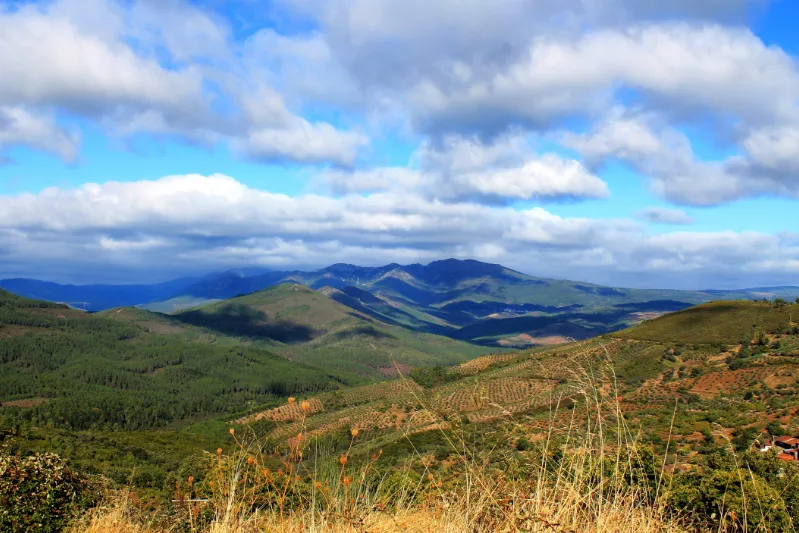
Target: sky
x=635, y=143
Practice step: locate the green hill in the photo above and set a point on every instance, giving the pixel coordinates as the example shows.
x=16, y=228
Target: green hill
x=76, y=370
x=726, y=322
x=308, y=326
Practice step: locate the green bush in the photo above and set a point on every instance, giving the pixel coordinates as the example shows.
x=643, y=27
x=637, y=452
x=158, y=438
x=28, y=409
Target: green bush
x=41, y=493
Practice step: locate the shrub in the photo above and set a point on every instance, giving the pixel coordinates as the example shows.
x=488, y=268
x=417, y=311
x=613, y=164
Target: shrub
x=41, y=493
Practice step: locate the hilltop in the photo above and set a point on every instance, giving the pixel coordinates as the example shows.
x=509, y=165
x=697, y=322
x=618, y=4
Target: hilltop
x=726, y=322
x=311, y=327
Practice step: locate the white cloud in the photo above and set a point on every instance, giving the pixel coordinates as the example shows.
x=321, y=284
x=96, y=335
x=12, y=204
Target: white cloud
x=461, y=168
x=202, y=223
x=687, y=68
x=152, y=67
x=303, y=142
x=20, y=127
x=664, y=155
x=45, y=59
x=665, y=215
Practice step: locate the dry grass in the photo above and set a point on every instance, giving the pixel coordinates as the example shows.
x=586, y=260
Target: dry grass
x=584, y=491
x=118, y=517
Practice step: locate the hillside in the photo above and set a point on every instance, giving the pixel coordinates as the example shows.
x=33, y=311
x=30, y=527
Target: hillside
x=309, y=326
x=75, y=370
x=715, y=377
x=726, y=322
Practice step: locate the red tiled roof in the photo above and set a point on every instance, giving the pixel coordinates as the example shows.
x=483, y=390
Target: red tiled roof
x=787, y=439
x=785, y=457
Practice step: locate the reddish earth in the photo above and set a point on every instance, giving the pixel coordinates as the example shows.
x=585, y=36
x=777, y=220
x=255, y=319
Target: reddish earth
x=395, y=371
x=25, y=404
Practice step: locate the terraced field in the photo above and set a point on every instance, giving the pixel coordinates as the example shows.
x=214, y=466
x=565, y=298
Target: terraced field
x=509, y=384
x=546, y=389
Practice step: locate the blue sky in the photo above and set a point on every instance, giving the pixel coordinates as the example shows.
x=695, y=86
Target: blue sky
x=641, y=143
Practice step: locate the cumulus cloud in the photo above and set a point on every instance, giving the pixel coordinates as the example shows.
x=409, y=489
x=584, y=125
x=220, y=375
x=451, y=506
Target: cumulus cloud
x=46, y=59
x=152, y=67
x=20, y=127
x=460, y=69
x=303, y=142
x=665, y=215
x=663, y=154
x=459, y=168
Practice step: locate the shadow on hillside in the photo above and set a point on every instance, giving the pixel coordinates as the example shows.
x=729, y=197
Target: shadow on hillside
x=239, y=320
x=361, y=331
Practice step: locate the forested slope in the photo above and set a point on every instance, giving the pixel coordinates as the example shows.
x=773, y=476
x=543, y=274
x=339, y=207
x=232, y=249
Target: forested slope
x=77, y=370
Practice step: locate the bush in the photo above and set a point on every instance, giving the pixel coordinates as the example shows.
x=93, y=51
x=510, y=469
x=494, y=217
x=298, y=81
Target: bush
x=41, y=493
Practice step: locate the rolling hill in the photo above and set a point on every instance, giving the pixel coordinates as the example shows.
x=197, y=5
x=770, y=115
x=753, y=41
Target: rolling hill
x=79, y=370
x=312, y=327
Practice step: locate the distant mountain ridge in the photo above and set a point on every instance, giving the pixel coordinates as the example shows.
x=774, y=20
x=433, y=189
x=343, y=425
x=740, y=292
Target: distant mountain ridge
x=470, y=300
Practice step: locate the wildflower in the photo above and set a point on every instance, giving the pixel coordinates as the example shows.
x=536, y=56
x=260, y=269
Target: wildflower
x=232, y=431
x=191, y=480
x=299, y=437
x=219, y=451
x=305, y=406
x=342, y=460
x=318, y=485
x=347, y=481
x=429, y=477
x=354, y=432
x=250, y=460
x=292, y=400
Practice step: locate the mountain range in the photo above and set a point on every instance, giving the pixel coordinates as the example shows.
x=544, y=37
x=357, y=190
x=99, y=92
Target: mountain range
x=468, y=300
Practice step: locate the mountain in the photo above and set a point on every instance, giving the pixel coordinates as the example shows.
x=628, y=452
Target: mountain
x=468, y=300
x=95, y=297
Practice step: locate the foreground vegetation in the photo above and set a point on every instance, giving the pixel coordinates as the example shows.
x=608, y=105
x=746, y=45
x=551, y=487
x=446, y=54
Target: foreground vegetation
x=593, y=473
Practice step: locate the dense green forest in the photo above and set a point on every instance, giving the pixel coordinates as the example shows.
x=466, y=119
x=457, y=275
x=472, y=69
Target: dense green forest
x=64, y=368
